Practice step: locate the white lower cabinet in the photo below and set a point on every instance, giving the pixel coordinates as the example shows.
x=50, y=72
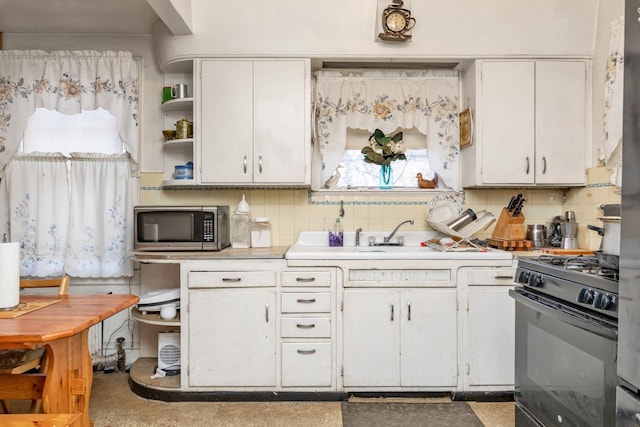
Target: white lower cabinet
x=489, y=328
x=399, y=338
x=232, y=338
x=307, y=364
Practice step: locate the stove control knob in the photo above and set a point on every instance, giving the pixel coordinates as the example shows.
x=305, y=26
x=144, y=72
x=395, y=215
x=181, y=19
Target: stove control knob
x=523, y=277
x=585, y=296
x=602, y=302
x=536, y=281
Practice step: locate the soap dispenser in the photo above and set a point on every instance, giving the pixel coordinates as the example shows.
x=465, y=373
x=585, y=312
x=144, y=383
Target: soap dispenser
x=241, y=226
x=336, y=235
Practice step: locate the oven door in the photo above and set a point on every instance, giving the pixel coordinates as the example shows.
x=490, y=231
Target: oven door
x=565, y=362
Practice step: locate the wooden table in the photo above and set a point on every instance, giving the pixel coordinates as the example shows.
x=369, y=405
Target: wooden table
x=63, y=328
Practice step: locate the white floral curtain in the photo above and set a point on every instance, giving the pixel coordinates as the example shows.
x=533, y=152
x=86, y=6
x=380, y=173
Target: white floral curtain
x=68, y=82
x=73, y=220
x=613, y=101
x=388, y=100
x=36, y=199
x=100, y=220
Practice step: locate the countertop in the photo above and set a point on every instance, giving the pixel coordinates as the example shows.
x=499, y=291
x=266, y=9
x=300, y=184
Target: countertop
x=274, y=252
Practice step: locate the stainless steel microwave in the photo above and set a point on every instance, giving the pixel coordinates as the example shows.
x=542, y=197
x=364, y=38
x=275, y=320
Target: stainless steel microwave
x=181, y=228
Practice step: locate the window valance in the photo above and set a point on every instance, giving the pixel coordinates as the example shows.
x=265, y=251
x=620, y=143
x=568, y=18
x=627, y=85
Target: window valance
x=388, y=100
x=68, y=82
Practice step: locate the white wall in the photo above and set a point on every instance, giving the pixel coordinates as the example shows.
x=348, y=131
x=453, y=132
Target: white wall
x=347, y=28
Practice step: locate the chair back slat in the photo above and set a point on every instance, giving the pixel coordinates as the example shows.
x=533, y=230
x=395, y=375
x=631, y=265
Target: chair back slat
x=62, y=283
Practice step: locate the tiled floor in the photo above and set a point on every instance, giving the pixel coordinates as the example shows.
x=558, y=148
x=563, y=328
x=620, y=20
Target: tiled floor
x=114, y=404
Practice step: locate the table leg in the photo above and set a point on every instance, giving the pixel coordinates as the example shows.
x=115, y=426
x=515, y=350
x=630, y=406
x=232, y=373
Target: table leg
x=67, y=388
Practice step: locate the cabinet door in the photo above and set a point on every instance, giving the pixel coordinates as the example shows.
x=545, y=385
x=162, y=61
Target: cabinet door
x=371, y=338
x=226, y=121
x=428, y=338
x=491, y=329
x=560, y=122
x=280, y=122
x=507, y=122
x=232, y=338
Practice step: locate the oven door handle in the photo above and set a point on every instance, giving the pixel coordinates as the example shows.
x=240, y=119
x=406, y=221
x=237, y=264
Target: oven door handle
x=566, y=314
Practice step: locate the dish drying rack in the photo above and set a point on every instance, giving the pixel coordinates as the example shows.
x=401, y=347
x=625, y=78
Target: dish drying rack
x=463, y=234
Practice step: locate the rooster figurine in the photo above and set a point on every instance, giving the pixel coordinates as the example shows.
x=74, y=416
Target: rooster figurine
x=427, y=183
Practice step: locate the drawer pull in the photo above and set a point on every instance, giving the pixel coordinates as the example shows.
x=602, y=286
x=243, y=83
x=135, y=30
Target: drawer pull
x=307, y=351
x=305, y=279
x=302, y=326
x=409, y=311
x=306, y=301
x=392, y=309
x=231, y=279
x=266, y=312
x=508, y=276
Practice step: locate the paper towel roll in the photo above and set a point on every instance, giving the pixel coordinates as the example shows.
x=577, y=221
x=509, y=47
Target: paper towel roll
x=9, y=275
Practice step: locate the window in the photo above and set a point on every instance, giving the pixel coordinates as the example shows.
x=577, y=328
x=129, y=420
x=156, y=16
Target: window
x=354, y=173
x=88, y=132
x=350, y=105
x=69, y=196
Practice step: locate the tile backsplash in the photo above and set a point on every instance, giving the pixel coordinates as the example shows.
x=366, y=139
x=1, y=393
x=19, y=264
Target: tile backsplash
x=294, y=210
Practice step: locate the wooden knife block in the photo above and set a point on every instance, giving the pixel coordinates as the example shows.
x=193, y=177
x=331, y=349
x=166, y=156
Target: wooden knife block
x=509, y=227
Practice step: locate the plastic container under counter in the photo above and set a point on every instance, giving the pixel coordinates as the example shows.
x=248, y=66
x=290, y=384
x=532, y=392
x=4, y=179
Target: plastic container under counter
x=260, y=233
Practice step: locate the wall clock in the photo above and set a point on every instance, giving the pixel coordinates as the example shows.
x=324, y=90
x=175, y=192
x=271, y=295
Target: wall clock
x=396, y=21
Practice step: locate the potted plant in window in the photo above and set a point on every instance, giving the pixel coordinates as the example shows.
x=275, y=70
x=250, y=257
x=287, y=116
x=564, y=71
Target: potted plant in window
x=382, y=150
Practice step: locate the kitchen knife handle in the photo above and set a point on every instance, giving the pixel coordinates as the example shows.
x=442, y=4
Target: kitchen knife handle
x=544, y=165
x=526, y=170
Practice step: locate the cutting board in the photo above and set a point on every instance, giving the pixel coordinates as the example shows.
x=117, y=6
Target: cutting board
x=559, y=251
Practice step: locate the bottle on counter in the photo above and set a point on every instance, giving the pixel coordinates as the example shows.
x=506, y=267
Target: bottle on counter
x=241, y=232
x=336, y=235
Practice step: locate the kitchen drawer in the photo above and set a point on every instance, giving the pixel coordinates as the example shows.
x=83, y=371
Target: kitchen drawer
x=232, y=279
x=491, y=276
x=306, y=365
x=306, y=327
x=306, y=278
x=306, y=302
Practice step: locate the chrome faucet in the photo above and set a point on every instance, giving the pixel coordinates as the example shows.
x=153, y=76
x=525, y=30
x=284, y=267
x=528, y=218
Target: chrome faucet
x=358, y=231
x=388, y=238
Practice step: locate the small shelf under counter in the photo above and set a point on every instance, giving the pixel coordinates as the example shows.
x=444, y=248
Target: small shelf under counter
x=153, y=318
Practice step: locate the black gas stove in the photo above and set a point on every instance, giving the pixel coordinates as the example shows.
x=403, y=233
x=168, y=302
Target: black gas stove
x=577, y=280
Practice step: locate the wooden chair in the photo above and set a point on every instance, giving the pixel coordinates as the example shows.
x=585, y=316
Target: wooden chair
x=20, y=361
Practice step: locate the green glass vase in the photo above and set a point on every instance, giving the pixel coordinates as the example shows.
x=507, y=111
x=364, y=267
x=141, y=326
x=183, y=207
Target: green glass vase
x=386, y=176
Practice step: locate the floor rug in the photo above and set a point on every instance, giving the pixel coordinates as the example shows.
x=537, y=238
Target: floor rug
x=356, y=414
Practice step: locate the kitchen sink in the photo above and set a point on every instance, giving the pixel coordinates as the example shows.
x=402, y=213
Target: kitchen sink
x=314, y=245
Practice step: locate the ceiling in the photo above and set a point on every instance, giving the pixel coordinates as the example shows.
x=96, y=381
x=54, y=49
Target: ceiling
x=76, y=16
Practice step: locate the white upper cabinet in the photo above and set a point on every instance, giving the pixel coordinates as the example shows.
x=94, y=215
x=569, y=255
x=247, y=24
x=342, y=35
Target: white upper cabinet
x=255, y=121
x=530, y=120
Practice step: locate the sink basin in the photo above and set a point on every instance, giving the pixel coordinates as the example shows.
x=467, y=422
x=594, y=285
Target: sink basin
x=314, y=245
